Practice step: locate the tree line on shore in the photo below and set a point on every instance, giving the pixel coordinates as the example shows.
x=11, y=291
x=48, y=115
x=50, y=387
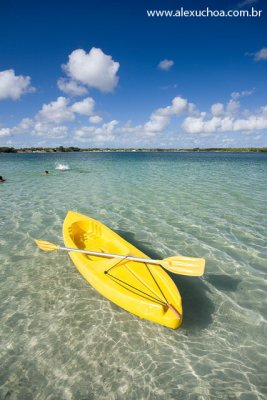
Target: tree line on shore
x=62, y=149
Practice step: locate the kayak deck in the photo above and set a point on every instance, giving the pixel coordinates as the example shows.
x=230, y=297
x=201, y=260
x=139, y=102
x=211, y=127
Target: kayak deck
x=143, y=289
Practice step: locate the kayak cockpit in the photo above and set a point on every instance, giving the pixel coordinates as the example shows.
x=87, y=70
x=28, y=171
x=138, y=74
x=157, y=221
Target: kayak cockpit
x=88, y=235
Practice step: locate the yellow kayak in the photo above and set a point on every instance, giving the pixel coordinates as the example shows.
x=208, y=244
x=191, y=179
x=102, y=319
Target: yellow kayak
x=143, y=289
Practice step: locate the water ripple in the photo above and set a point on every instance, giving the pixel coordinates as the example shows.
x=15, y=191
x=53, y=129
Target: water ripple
x=61, y=340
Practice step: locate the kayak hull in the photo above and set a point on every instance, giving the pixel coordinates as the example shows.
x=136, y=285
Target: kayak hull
x=140, y=288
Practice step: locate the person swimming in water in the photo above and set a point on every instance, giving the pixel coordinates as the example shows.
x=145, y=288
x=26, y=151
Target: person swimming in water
x=46, y=173
x=2, y=179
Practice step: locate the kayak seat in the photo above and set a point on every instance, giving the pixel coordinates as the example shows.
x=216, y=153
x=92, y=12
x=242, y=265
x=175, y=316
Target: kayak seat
x=88, y=235
x=82, y=232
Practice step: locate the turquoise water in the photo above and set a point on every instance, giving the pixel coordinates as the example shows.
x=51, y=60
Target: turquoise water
x=61, y=340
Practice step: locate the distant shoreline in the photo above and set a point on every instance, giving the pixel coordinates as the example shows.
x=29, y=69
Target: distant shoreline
x=62, y=149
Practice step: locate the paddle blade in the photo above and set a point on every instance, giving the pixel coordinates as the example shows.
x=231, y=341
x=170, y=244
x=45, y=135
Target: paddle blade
x=184, y=265
x=46, y=246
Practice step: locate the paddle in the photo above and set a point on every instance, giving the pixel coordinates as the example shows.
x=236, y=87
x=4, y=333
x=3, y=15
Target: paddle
x=177, y=264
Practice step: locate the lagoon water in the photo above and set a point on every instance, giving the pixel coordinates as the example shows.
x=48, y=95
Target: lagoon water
x=60, y=339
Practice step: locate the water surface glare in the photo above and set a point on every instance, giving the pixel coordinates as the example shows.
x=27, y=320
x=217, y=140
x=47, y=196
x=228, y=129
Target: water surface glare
x=60, y=339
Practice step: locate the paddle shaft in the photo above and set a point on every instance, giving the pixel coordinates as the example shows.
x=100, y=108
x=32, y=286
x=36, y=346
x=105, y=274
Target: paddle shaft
x=177, y=264
x=110, y=255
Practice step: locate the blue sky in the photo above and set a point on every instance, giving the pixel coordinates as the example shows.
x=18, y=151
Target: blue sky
x=90, y=73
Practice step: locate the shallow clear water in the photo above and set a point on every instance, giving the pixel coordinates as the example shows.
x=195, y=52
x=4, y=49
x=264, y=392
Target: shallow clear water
x=61, y=340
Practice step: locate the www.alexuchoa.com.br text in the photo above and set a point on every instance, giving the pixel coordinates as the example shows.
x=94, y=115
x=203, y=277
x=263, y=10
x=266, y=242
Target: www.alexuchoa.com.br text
x=205, y=13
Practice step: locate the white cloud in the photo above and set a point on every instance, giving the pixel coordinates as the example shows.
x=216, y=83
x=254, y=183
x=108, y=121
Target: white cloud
x=156, y=124
x=252, y=123
x=226, y=123
x=94, y=69
x=56, y=111
x=200, y=125
x=217, y=109
x=84, y=107
x=167, y=87
x=263, y=111
x=161, y=117
x=244, y=93
x=261, y=54
x=165, y=65
x=95, y=119
x=58, y=132
x=25, y=124
x=14, y=86
x=49, y=121
x=71, y=87
x=232, y=106
x=4, y=132
x=97, y=134
x=47, y=129
x=128, y=128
